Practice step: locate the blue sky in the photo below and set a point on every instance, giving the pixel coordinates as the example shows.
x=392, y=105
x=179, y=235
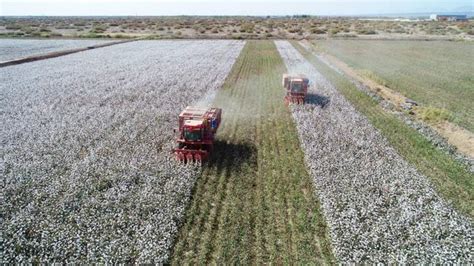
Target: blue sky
x=227, y=7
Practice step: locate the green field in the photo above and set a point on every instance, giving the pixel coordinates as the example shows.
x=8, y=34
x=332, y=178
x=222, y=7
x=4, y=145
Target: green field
x=451, y=179
x=255, y=202
x=434, y=73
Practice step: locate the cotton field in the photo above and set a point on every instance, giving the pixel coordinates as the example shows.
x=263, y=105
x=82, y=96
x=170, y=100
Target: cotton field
x=14, y=49
x=85, y=149
x=89, y=177
x=378, y=207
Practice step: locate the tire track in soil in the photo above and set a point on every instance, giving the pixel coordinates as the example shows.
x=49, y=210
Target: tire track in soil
x=241, y=206
x=265, y=226
x=281, y=195
x=225, y=190
x=248, y=206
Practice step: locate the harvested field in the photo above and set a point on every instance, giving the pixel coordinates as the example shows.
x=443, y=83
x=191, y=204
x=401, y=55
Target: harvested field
x=254, y=203
x=434, y=73
x=85, y=149
x=378, y=207
x=14, y=49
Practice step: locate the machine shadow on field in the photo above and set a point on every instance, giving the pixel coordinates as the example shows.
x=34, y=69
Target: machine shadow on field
x=316, y=99
x=235, y=155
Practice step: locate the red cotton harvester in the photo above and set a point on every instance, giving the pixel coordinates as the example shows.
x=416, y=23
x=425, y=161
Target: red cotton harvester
x=296, y=88
x=197, y=127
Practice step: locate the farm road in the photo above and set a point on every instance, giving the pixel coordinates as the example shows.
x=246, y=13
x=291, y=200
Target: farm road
x=378, y=207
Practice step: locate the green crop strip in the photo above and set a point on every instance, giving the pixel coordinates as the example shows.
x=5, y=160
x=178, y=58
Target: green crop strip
x=451, y=179
x=254, y=202
x=435, y=73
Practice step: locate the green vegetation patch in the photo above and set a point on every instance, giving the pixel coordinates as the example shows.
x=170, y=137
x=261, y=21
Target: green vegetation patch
x=371, y=75
x=434, y=73
x=432, y=114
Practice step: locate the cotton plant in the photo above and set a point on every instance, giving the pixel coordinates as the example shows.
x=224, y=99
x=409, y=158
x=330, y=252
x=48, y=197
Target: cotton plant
x=378, y=207
x=86, y=140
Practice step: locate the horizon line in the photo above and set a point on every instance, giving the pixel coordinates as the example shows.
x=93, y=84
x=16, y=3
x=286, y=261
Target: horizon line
x=263, y=15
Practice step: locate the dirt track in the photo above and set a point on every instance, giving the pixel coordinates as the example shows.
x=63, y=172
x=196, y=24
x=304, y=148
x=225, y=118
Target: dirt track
x=379, y=209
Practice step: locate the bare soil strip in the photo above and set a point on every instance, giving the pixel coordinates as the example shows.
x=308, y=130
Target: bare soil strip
x=457, y=136
x=378, y=207
x=58, y=53
x=253, y=203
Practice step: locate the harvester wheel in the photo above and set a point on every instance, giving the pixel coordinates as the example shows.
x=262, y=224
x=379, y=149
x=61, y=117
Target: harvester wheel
x=198, y=158
x=180, y=156
x=189, y=157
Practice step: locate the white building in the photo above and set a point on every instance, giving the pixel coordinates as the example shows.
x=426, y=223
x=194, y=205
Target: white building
x=436, y=17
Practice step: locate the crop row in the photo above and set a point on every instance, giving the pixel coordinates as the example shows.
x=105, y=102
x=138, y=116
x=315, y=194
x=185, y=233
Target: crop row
x=85, y=149
x=378, y=207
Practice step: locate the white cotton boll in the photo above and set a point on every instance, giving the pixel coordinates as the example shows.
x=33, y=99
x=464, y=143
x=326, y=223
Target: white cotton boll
x=11, y=49
x=87, y=140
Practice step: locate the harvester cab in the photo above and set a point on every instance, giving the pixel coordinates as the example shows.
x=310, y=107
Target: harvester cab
x=296, y=88
x=193, y=130
x=197, y=127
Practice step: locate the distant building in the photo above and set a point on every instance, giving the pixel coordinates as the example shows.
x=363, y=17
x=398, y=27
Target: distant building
x=436, y=17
